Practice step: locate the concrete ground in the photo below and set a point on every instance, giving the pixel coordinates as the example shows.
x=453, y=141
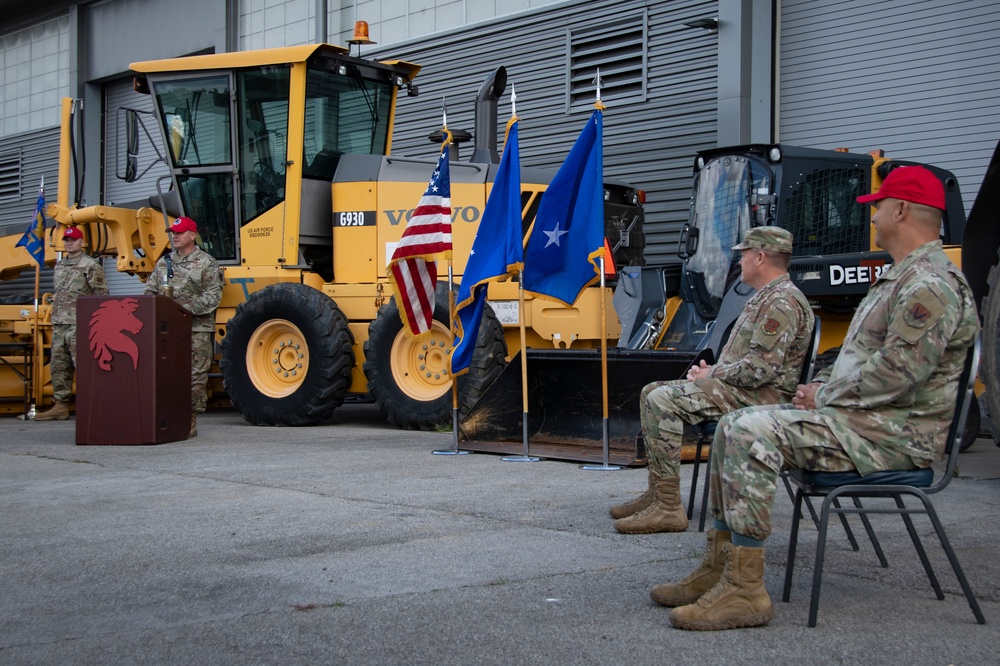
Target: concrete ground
x=350, y=543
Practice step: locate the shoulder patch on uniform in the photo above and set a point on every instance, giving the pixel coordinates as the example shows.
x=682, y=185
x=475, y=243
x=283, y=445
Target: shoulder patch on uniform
x=770, y=327
x=918, y=313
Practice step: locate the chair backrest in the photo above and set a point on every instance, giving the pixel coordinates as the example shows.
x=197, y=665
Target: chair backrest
x=811, y=352
x=963, y=398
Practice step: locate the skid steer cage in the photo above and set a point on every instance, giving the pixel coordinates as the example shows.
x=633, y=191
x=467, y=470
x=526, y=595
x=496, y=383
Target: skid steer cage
x=565, y=404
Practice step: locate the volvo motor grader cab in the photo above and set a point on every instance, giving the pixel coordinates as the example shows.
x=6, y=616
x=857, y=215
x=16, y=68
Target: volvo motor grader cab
x=283, y=157
x=673, y=316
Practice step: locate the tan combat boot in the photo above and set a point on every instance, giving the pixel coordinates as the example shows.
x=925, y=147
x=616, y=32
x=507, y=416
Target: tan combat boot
x=664, y=514
x=194, y=426
x=737, y=600
x=639, y=503
x=699, y=581
x=58, y=412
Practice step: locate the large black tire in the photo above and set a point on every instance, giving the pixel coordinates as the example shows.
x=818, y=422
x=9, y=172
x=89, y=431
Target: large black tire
x=287, y=356
x=989, y=368
x=972, y=422
x=409, y=381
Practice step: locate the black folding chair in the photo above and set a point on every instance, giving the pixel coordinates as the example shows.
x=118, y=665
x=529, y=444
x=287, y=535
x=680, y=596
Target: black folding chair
x=888, y=484
x=705, y=432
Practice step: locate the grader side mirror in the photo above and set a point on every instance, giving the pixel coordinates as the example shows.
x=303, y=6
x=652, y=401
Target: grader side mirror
x=131, y=146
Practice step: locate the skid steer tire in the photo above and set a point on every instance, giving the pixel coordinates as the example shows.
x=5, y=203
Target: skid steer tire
x=409, y=380
x=989, y=368
x=972, y=423
x=287, y=356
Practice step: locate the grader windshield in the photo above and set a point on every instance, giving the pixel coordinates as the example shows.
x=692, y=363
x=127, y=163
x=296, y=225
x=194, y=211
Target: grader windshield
x=228, y=136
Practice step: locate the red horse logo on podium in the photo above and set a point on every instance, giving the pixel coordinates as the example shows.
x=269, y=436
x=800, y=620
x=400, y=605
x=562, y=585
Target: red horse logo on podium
x=108, y=326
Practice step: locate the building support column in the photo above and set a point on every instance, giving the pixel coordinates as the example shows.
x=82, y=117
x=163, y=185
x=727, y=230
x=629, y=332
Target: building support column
x=322, y=36
x=746, y=67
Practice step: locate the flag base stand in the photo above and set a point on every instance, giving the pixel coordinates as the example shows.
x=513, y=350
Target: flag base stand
x=604, y=466
x=454, y=451
x=524, y=438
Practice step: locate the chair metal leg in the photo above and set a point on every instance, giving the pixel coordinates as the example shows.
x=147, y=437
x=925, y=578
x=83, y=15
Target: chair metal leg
x=824, y=519
x=788, y=486
x=791, y=496
x=946, y=544
x=847, y=526
x=915, y=538
x=704, y=500
x=871, y=534
x=812, y=511
x=793, y=542
x=694, y=476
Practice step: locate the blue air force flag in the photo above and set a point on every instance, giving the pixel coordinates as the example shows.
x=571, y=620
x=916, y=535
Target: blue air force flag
x=561, y=258
x=32, y=238
x=496, y=252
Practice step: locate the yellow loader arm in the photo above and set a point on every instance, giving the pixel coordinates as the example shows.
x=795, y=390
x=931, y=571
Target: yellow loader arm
x=137, y=237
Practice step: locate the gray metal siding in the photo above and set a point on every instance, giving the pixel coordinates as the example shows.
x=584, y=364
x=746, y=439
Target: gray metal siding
x=119, y=94
x=648, y=143
x=920, y=84
x=39, y=158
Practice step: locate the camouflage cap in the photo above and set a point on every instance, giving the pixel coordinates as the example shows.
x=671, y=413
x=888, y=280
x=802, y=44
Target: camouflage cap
x=772, y=239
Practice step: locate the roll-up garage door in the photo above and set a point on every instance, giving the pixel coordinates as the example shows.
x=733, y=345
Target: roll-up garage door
x=119, y=95
x=919, y=80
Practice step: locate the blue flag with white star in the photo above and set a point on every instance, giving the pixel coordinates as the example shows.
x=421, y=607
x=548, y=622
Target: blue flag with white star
x=32, y=238
x=497, y=252
x=567, y=240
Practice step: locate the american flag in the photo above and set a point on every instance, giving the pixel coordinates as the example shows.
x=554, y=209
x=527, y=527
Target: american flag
x=427, y=237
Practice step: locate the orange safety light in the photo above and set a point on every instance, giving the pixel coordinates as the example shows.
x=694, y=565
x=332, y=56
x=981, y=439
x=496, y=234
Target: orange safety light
x=609, y=261
x=360, y=34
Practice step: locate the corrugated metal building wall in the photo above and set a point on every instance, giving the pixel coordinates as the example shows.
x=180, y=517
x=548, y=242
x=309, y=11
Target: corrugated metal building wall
x=38, y=157
x=661, y=107
x=118, y=94
x=919, y=81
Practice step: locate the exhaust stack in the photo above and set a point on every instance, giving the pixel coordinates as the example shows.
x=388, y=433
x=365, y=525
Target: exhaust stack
x=486, y=117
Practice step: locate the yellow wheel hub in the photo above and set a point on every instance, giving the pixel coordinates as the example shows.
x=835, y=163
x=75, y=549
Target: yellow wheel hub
x=277, y=358
x=420, y=367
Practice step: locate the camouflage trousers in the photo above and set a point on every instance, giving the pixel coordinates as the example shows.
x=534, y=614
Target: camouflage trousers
x=63, y=361
x=668, y=408
x=753, y=445
x=202, y=354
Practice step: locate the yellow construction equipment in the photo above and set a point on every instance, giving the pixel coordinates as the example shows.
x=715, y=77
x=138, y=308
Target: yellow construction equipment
x=283, y=157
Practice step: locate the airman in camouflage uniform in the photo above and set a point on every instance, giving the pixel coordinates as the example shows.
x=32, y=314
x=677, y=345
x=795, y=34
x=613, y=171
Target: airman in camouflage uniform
x=883, y=405
x=760, y=364
x=197, y=285
x=76, y=275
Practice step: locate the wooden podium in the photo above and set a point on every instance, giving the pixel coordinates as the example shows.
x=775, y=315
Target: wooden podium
x=133, y=370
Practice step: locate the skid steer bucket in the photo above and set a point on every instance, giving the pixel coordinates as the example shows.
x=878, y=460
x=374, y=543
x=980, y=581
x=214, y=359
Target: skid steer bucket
x=565, y=404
